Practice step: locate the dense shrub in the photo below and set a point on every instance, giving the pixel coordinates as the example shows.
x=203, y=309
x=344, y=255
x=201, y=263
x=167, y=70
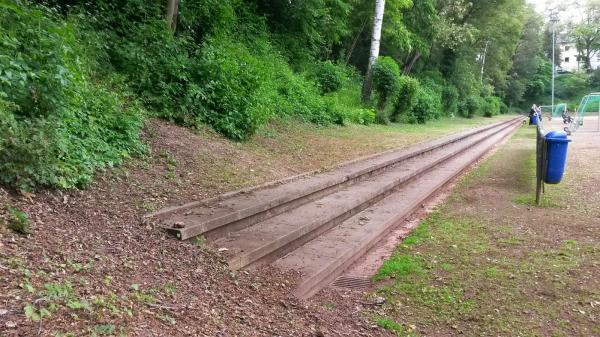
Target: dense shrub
x=57, y=126
x=408, y=88
x=594, y=80
x=159, y=69
x=470, y=107
x=503, y=108
x=491, y=106
x=328, y=76
x=386, y=74
x=298, y=97
x=242, y=87
x=386, y=80
x=224, y=72
x=220, y=67
x=427, y=106
x=571, y=85
x=347, y=100
x=234, y=97
x=450, y=99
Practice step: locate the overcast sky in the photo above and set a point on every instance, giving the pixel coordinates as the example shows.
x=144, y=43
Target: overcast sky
x=567, y=9
x=540, y=5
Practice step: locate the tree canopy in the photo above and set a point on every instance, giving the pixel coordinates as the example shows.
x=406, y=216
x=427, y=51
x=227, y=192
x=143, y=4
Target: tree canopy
x=235, y=64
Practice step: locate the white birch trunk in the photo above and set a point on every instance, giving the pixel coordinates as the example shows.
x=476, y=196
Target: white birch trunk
x=172, y=7
x=374, y=52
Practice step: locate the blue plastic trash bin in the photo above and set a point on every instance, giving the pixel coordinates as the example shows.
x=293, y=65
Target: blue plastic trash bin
x=556, y=155
x=533, y=119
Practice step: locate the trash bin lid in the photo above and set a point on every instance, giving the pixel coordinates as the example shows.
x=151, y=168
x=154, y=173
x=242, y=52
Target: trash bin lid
x=557, y=136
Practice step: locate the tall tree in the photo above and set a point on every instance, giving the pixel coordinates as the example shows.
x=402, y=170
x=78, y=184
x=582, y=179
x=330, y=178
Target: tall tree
x=421, y=22
x=587, y=33
x=374, y=51
x=524, y=78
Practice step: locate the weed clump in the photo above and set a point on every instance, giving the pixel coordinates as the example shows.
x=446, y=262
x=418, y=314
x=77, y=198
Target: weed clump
x=17, y=220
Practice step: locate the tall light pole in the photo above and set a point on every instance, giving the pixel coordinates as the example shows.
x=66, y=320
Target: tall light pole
x=553, y=20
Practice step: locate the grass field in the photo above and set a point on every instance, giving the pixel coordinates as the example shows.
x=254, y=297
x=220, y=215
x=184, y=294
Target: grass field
x=325, y=146
x=489, y=263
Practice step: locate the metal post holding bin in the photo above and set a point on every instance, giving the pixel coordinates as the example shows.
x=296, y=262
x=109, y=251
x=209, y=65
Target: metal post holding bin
x=540, y=159
x=556, y=156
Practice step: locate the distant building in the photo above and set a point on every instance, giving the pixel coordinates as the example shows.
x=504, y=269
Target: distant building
x=571, y=61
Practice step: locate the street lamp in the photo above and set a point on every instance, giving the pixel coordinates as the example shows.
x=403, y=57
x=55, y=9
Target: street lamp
x=553, y=21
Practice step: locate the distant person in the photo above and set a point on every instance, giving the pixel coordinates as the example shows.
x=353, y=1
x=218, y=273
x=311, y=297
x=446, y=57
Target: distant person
x=533, y=112
x=567, y=119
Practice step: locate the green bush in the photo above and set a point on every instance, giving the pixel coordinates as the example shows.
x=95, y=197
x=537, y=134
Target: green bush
x=427, y=106
x=243, y=86
x=159, y=70
x=233, y=95
x=570, y=85
x=57, y=125
x=503, y=108
x=470, y=107
x=296, y=96
x=328, y=76
x=594, y=79
x=205, y=75
x=408, y=88
x=450, y=99
x=491, y=106
x=386, y=80
x=347, y=102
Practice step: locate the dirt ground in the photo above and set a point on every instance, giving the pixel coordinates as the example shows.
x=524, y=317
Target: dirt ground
x=90, y=266
x=490, y=263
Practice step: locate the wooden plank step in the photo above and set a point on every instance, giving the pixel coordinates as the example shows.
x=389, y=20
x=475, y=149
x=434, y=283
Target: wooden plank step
x=326, y=257
x=220, y=216
x=265, y=241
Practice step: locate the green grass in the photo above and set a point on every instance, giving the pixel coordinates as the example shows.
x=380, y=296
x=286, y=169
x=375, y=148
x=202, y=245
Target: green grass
x=525, y=175
x=398, y=266
x=453, y=247
x=488, y=270
x=329, y=305
x=511, y=241
x=298, y=136
x=392, y=326
x=529, y=200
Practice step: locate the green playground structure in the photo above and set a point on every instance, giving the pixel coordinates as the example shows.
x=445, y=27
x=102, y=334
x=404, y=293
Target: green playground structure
x=558, y=110
x=548, y=110
x=589, y=105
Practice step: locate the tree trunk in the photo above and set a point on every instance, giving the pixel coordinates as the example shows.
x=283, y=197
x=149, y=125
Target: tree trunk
x=351, y=50
x=588, y=58
x=408, y=68
x=171, y=17
x=374, y=53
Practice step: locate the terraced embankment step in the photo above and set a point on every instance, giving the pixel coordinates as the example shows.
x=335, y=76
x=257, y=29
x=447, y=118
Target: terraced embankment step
x=267, y=240
x=324, y=258
x=218, y=217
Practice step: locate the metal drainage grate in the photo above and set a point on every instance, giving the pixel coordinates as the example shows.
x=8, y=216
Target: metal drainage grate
x=352, y=282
